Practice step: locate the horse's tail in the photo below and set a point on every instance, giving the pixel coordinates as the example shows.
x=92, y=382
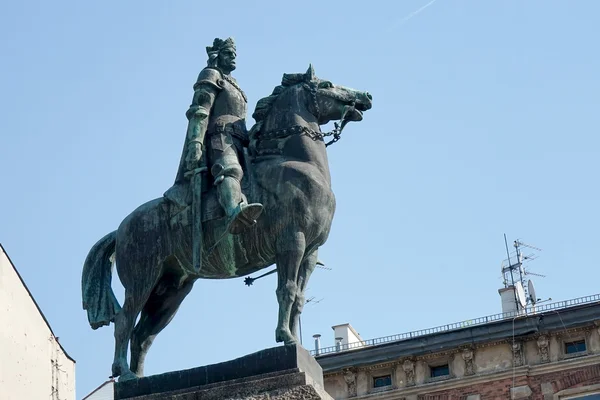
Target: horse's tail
x=98, y=297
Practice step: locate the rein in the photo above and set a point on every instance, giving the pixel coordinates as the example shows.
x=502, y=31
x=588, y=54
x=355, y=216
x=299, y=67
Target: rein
x=338, y=128
x=303, y=130
x=313, y=134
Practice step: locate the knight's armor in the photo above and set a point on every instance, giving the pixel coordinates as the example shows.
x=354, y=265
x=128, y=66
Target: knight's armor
x=218, y=111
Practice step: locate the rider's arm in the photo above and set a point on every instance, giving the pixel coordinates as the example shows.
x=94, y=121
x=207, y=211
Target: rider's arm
x=205, y=91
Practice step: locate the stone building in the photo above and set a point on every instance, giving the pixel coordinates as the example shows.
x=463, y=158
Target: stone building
x=551, y=352
x=33, y=363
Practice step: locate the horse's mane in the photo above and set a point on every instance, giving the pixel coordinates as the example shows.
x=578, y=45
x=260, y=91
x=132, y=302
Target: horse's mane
x=264, y=105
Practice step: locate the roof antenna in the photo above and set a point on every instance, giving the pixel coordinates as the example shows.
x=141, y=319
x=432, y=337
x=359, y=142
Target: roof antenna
x=521, y=287
x=309, y=300
x=510, y=268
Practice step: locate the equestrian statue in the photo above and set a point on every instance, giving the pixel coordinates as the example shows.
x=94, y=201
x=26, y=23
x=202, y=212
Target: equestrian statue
x=241, y=202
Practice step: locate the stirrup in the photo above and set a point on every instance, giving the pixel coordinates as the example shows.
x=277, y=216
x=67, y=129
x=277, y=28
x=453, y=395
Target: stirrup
x=244, y=217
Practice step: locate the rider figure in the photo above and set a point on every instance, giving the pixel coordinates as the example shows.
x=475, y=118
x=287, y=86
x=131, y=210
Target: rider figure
x=217, y=122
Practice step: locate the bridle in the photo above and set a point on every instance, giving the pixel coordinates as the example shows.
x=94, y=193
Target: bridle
x=315, y=135
x=338, y=128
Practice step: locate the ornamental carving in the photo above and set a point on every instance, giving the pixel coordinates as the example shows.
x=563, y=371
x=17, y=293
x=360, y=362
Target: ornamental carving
x=409, y=369
x=544, y=348
x=467, y=356
x=350, y=378
x=597, y=324
x=517, y=350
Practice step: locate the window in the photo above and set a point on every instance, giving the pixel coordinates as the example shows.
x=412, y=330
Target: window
x=441, y=370
x=575, y=347
x=591, y=392
x=382, y=381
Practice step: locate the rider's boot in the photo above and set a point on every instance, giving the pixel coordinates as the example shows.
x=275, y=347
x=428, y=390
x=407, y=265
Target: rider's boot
x=240, y=214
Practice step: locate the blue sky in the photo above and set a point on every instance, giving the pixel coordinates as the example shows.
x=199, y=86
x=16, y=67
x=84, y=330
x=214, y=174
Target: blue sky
x=485, y=121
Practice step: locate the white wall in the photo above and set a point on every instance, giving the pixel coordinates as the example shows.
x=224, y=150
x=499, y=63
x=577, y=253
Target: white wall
x=32, y=363
x=348, y=334
x=104, y=392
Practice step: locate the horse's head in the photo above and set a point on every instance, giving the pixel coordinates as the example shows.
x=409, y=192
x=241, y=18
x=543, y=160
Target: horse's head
x=299, y=105
x=333, y=102
x=317, y=99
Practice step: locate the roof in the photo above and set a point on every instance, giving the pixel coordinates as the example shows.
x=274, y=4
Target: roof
x=351, y=329
x=98, y=388
x=534, y=309
x=36, y=304
x=553, y=320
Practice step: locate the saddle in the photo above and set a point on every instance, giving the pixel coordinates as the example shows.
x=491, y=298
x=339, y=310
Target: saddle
x=211, y=208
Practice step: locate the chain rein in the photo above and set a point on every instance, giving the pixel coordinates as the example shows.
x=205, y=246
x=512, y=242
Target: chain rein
x=314, y=135
x=337, y=130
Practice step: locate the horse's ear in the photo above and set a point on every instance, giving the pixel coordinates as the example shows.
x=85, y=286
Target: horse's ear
x=310, y=73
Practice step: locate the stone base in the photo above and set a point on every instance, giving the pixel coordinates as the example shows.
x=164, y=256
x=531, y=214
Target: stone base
x=279, y=373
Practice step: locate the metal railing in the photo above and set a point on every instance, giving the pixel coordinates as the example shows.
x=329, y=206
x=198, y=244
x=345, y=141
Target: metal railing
x=531, y=310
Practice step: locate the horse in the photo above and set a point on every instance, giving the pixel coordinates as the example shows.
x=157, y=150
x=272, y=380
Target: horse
x=287, y=171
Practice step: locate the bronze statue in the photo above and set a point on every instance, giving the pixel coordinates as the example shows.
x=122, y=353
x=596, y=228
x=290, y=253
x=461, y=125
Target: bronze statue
x=287, y=172
x=217, y=114
x=217, y=122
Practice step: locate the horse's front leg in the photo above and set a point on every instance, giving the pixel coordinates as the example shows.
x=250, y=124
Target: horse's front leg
x=307, y=266
x=290, y=252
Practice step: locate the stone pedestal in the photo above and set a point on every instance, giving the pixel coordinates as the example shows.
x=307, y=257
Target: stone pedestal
x=279, y=373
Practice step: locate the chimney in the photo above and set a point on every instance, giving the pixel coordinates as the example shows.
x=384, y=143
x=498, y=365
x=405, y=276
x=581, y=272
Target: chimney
x=338, y=343
x=317, y=343
x=507, y=296
x=346, y=337
x=509, y=301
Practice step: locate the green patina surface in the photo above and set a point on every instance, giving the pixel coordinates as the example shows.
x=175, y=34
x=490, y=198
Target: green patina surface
x=241, y=201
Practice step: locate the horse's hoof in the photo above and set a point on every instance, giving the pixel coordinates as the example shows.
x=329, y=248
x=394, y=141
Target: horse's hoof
x=128, y=376
x=116, y=371
x=285, y=336
x=278, y=338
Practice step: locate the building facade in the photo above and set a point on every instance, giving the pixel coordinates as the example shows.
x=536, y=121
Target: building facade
x=551, y=353
x=106, y=391
x=33, y=363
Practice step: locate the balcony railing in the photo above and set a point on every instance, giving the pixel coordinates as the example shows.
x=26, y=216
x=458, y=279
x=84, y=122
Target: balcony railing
x=531, y=310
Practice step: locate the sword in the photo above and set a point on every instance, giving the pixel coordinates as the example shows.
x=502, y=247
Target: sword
x=196, y=131
x=197, y=234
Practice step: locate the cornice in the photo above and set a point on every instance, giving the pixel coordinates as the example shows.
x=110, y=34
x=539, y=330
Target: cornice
x=449, y=384
x=475, y=347
x=550, y=324
x=562, y=365
x=378, y=366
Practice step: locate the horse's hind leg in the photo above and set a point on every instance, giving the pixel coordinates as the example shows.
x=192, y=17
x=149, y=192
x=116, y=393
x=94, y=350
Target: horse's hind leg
x=159, y=310
x=139, y=273
x=306, y=268
x=290, y=253
x=124, y=321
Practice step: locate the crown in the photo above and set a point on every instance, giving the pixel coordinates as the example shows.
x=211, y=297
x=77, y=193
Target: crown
x=220, y=44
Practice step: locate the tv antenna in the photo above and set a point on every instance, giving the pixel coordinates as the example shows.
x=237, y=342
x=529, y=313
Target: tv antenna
x=515, y=272
x=518, y=244
x=310, y=300
x=531, y=290
x=520, y=293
